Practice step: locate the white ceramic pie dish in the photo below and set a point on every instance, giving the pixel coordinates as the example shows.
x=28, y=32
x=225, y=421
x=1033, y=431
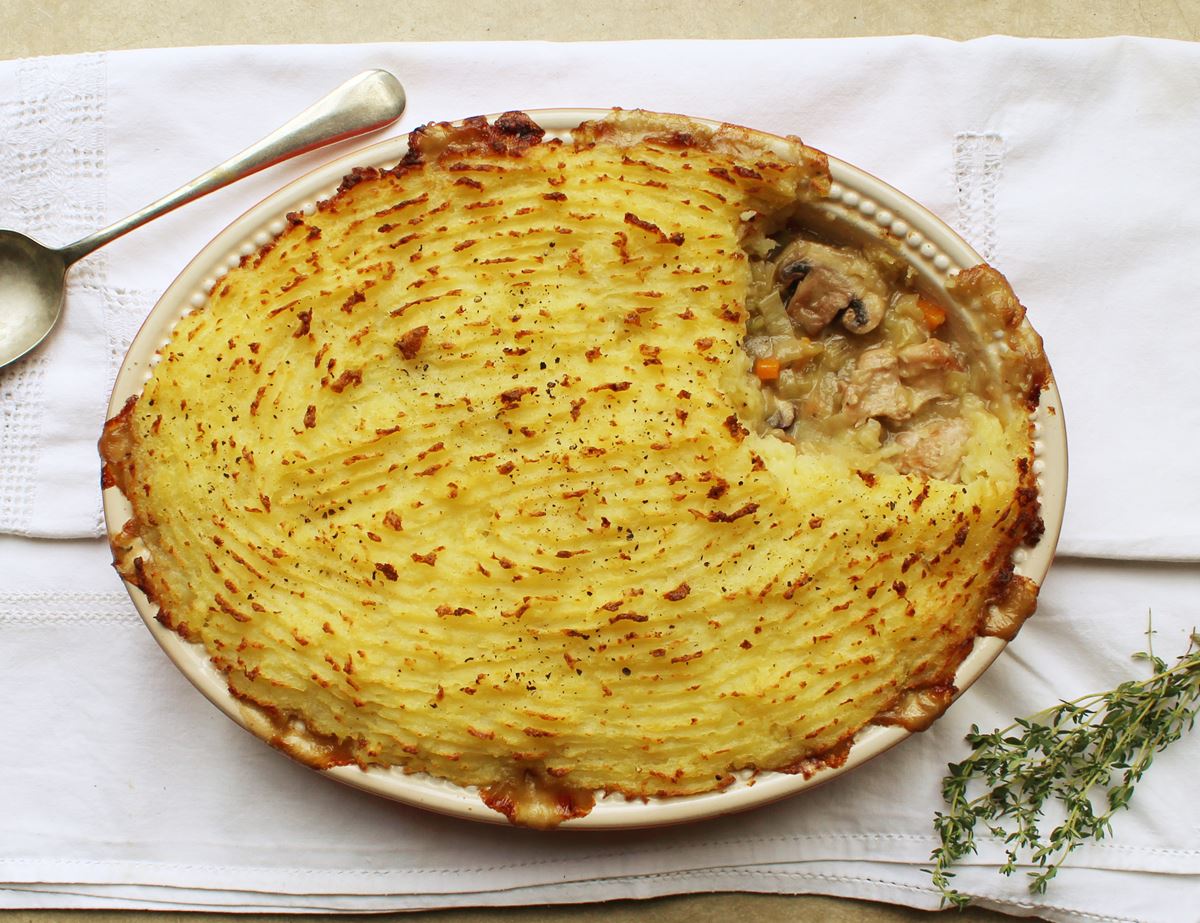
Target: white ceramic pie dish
x=856, y=199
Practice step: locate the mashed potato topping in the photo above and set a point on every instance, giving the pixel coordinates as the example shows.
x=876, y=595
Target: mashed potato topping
x=464, y=474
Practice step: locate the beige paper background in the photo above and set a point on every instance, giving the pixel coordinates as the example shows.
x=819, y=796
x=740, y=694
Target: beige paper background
x=41, y=27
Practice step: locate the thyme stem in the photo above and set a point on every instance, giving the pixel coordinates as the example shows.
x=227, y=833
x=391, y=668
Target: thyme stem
x=1085, y=755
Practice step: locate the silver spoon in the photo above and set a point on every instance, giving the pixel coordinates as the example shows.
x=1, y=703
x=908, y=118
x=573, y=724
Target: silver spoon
x=33, y=276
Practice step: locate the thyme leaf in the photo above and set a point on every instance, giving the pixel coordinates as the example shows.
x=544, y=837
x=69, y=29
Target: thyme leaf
x=1082, y=758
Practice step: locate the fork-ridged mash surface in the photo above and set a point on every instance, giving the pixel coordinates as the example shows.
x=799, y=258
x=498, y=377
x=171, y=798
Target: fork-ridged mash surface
x=461, y=472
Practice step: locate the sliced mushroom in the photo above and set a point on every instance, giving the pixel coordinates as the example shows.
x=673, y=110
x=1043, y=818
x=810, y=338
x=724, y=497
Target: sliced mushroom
x=864, y=314
x=819, y=282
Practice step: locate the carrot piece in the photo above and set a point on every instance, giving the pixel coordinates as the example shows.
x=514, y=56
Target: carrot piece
x=935, y=314
x=767, y=369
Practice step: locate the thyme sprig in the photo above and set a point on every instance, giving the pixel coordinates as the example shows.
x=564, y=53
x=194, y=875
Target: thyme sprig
x=1085, y=756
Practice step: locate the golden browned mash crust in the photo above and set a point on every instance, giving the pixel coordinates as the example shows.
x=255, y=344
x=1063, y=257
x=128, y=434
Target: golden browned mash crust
x=461, y=475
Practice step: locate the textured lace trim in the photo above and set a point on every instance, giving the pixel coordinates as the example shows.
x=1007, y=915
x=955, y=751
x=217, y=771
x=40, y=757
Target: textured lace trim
x=60, y=608
x=52, y=158
x=21, y=398
x=978, y=159
x=53, y=181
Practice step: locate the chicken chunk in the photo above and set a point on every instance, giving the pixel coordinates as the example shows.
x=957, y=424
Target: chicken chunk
x=874, y=388
x=934, y=449
x=933, y=355
x=896, y=384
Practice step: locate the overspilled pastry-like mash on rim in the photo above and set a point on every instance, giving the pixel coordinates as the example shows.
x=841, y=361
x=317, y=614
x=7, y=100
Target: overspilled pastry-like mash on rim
x=517, y=509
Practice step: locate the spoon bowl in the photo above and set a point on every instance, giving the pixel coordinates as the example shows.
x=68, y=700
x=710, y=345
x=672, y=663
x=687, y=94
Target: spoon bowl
x=33, y=276
x=32, y=280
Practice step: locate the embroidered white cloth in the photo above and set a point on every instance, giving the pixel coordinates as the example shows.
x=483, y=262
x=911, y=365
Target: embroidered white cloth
x=1067, y=164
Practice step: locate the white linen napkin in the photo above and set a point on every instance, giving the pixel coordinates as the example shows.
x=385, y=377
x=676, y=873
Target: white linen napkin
x=1068, y=164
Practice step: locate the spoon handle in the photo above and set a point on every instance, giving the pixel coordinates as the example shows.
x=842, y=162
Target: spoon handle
x=364, y=103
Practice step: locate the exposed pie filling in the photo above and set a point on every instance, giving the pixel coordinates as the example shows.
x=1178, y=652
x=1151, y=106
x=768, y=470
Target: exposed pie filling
x=557, y=468
x=853, y=359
